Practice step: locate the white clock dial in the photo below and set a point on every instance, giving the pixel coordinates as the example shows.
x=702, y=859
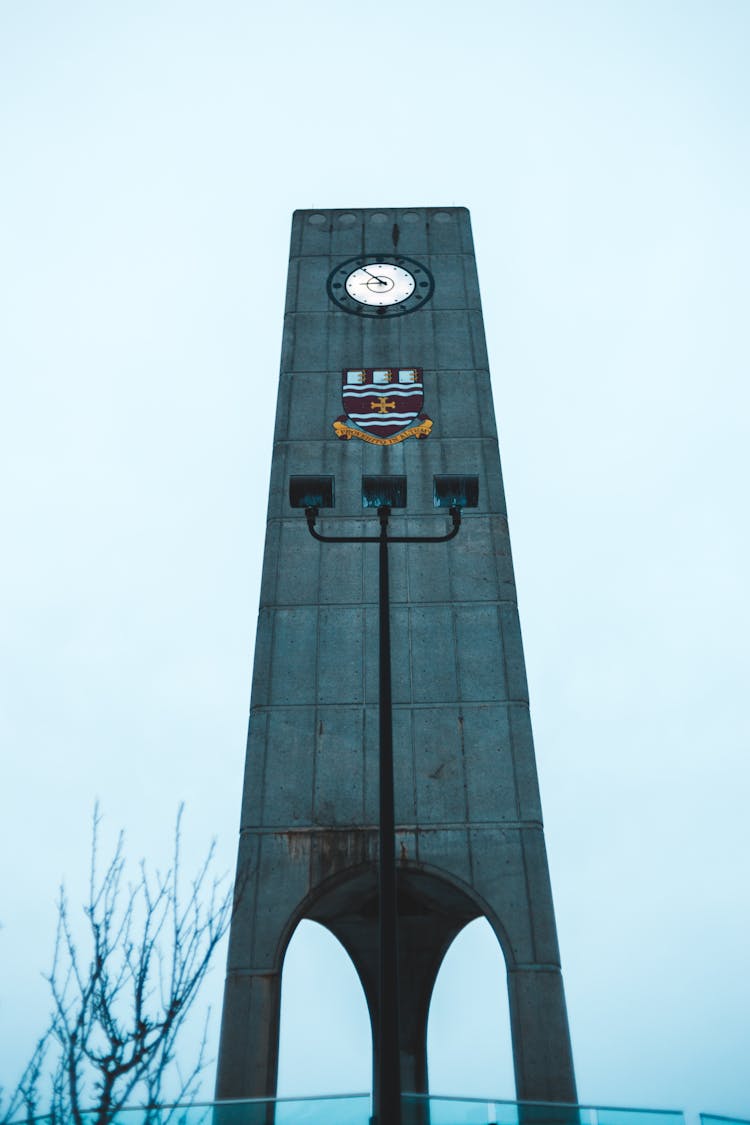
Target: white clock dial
x=380, y=283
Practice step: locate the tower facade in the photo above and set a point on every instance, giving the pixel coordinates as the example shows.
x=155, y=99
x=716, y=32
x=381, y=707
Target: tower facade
x=384, y=371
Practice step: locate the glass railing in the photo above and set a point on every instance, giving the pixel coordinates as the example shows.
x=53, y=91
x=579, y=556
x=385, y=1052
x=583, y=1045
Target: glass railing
x=476, y=1111
x=418, y=1109
x=714, y=1119
x=332, y=1109
x=345, y=1109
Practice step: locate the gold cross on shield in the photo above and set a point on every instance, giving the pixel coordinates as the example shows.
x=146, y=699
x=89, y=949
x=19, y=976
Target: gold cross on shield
x=382, y=405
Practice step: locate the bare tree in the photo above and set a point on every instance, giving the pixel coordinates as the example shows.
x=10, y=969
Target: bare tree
x=119, y=1004
x=25, y=1098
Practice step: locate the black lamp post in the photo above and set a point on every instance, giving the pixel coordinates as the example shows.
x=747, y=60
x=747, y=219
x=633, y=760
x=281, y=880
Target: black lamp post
x=385, y=493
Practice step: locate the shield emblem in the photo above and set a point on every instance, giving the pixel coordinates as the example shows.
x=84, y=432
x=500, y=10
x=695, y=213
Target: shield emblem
x=382, y=401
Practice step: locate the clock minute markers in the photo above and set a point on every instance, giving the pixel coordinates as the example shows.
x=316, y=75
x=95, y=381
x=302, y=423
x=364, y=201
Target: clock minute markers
x=380, y=286
x=384, y=283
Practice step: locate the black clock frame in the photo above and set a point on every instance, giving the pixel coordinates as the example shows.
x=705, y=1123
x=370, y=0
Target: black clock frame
x=423, y=288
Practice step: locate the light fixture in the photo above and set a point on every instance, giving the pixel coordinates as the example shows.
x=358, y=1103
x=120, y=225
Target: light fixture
x=311, y=492
x=383, y=492
x=455, y=492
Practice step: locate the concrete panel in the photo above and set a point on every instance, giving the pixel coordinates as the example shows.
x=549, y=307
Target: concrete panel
x=455, y=341
x=378, y=225
x=404, y=766
x=296, y=581
x=401, y=684
x=270, y=569
x=339, y=767
x=447, y=850
x=499, y=876
x=284, y=404
x=370, y=738
x=248, y=1066
x=527, y=786
x=335, y=852
x=342, y=570
x=473, y=577
x=309, y=409
x=282, y=886
x=489, y=766
x=500, y=548
x=441, y=790
x=246, y=896
x=314, y=233
x=309, y=343
x=446, y=228
x=253, y=793
x=427, y=570
x=288, y=342
x=278, y=488
x=413, y=231
x=289, y=766
x=454, y=405
x=479, y=344
x=312, y=273
x=515, y=668
x=392, y=342
x=348, y=346
x=540, y=897
x=293, y=665
x=452, y=291
x=480, y=653
x=397, y=552
x=406, y=850
x=261, y=684
x=541, y=1044
x=348, y=231
x=385, y=461
x=340, y=652
x=433, y=654
x=485, y=405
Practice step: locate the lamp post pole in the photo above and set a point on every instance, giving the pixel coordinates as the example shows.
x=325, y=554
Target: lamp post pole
x=388, y=1104
x=388, y=1075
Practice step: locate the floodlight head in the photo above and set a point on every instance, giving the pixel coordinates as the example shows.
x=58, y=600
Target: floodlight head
x=383, y=492
x=455, y=492
x=311, y=492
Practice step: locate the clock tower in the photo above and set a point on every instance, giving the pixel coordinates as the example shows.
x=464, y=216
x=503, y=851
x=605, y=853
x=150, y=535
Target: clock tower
x=384, y=376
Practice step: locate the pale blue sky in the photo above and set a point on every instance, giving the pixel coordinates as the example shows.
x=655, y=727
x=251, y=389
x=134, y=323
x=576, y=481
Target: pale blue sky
x=152, y=154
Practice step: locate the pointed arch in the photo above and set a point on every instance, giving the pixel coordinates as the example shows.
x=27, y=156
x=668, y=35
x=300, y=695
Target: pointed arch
x=469, y=1044
x=434, y=906
x=325, y=1038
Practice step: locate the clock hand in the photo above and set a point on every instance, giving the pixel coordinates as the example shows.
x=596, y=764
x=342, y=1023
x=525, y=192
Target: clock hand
x=380, y=280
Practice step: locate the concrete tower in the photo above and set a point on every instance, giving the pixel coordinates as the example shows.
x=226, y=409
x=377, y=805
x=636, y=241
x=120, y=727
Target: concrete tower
x=384, y=371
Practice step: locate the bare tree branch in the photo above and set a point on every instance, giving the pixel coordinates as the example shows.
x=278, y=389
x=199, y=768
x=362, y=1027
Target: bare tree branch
x=119, y=1005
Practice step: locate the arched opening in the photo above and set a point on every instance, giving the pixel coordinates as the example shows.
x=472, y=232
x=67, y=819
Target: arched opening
x=469, y=1049
x=325, y=1040
x=322, y=989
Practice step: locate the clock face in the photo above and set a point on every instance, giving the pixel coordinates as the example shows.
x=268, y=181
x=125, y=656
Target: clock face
x=380, y=285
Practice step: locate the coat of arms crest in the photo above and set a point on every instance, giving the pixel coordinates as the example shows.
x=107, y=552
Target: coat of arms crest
x=382, y=404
